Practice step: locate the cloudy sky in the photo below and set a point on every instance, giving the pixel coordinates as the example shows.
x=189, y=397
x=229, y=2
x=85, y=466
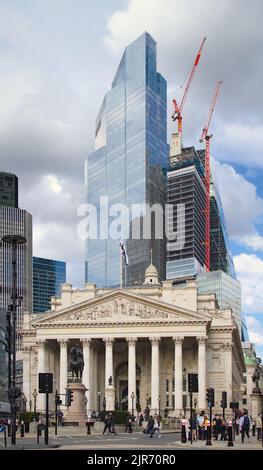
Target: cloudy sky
x=58, y=58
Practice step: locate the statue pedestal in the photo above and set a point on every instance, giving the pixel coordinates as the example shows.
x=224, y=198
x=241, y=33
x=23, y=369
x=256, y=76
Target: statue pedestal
x=77, y=411
x=256, y=402
x=110, y=398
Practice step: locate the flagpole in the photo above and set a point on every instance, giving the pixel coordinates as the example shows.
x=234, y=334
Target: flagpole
x=120, y=270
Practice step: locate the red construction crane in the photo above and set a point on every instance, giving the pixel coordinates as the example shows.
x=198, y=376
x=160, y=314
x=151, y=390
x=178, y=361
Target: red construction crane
x=205, y=136
x=177, y=114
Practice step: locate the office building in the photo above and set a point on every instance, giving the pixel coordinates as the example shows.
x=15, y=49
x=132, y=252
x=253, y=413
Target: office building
x=228, y=294
x=8, y=189
x=48, y=275
x=185, y=186
x=127, y=165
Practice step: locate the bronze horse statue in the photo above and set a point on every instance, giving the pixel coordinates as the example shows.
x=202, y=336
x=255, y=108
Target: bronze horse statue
x=76, y=363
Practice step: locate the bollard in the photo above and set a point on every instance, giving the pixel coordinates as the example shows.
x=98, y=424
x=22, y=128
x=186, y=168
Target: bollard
x=88, y=427
x=230, y=434
x=22, y=428
x=9, y=428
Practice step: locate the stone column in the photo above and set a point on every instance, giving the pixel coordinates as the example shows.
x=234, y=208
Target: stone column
x=202, y=405
x=155, y=375
x=109, y=387
x=132, y=374
x=228, y=371
x=86, y=376
x=95, y=378
x=178, y=374
x=27, y=374
x=63, y=380
x=41, y=366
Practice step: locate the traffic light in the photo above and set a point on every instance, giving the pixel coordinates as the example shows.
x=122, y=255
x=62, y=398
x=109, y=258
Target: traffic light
x=69, y=397
x=57, y=400
x=224, y=400
x=210, y=397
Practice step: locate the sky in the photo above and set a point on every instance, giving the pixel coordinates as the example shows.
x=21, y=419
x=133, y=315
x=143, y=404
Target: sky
x=57, y=60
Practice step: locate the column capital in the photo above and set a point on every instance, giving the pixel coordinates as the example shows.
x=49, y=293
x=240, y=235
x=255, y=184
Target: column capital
x=62, y=342
x=201, y=339
x=108, y=341
x=41, y=343
x=131, y=340
x=27, y=349
x=178, y=339
x=155, y=340
x=86, y=341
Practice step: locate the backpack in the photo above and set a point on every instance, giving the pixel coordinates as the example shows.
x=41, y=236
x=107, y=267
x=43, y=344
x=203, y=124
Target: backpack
x=246, y=421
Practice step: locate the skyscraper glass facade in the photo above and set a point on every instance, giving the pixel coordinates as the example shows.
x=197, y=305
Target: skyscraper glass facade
x=8, y=189
x=48, y=275
x=16, y=222
x=228, y=294
x=127, y=166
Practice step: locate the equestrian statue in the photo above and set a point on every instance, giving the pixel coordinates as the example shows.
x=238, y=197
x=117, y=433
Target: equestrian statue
x=76, y=363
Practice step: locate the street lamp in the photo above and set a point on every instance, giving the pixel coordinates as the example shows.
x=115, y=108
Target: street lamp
x=132, y=397
x=104, y=403
x=195, y=404
x=35, y=394
x=159, y=401
x=14, y=392
x=99, y=395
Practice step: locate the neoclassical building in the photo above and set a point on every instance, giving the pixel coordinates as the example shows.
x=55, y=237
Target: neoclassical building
x=138, y=342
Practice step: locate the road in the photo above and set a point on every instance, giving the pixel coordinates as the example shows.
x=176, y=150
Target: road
x=136, y=440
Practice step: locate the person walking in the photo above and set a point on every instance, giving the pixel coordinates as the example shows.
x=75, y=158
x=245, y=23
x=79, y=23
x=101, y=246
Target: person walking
x=244, y=425
x=107, y=424
x=218, y=426
x=200, y=422
x=112, y=424
x=259, y=426
x=156, y=427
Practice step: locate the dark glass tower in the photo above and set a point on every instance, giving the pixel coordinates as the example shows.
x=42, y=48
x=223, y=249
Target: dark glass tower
x=48, y=275
x=127, y=165
x=8, y=190
x=185, y=185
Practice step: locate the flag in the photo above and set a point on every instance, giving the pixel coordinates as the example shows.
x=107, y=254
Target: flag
x=124, y=252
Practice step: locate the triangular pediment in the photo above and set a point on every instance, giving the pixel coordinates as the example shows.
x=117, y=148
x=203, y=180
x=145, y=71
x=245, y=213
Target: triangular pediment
x=121, y=306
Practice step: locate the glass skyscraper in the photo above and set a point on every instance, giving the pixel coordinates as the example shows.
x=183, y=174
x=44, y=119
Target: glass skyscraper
x=128, y=163
x=48, y=275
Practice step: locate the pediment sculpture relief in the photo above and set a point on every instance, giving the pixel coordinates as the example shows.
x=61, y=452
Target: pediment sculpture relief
x=118, y=308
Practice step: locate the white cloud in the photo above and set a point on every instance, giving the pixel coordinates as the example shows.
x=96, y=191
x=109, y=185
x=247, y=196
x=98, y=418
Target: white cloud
x=231, y=53
x=54, y=184
x=249, y=268
x=242, y=205
x=255, y=330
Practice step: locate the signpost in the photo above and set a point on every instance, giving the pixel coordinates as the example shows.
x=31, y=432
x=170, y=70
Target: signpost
x=45, y=385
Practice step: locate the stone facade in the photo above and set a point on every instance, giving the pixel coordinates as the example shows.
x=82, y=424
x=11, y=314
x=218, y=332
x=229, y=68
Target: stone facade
x=138, y=345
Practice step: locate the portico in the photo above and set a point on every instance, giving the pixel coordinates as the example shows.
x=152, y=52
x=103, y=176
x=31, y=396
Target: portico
x=137, y=351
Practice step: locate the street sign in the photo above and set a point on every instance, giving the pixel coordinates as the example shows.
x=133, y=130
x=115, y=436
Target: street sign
x=45, y=382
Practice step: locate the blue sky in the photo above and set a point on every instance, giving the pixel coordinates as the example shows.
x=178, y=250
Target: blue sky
x=58, y=58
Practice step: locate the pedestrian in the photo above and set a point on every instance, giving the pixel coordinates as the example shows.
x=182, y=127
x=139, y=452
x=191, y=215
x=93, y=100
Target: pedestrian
x=218, y=426
x=200, y=422
x=60, y=418
x=156, y=427
x=223, y=429
x=112, y=424
x=140, y=419
x=259, y=426
x=244, y=425
x=106, y=424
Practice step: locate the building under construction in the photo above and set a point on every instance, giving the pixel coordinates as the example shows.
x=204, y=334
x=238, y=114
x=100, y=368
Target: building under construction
x=185, y=185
